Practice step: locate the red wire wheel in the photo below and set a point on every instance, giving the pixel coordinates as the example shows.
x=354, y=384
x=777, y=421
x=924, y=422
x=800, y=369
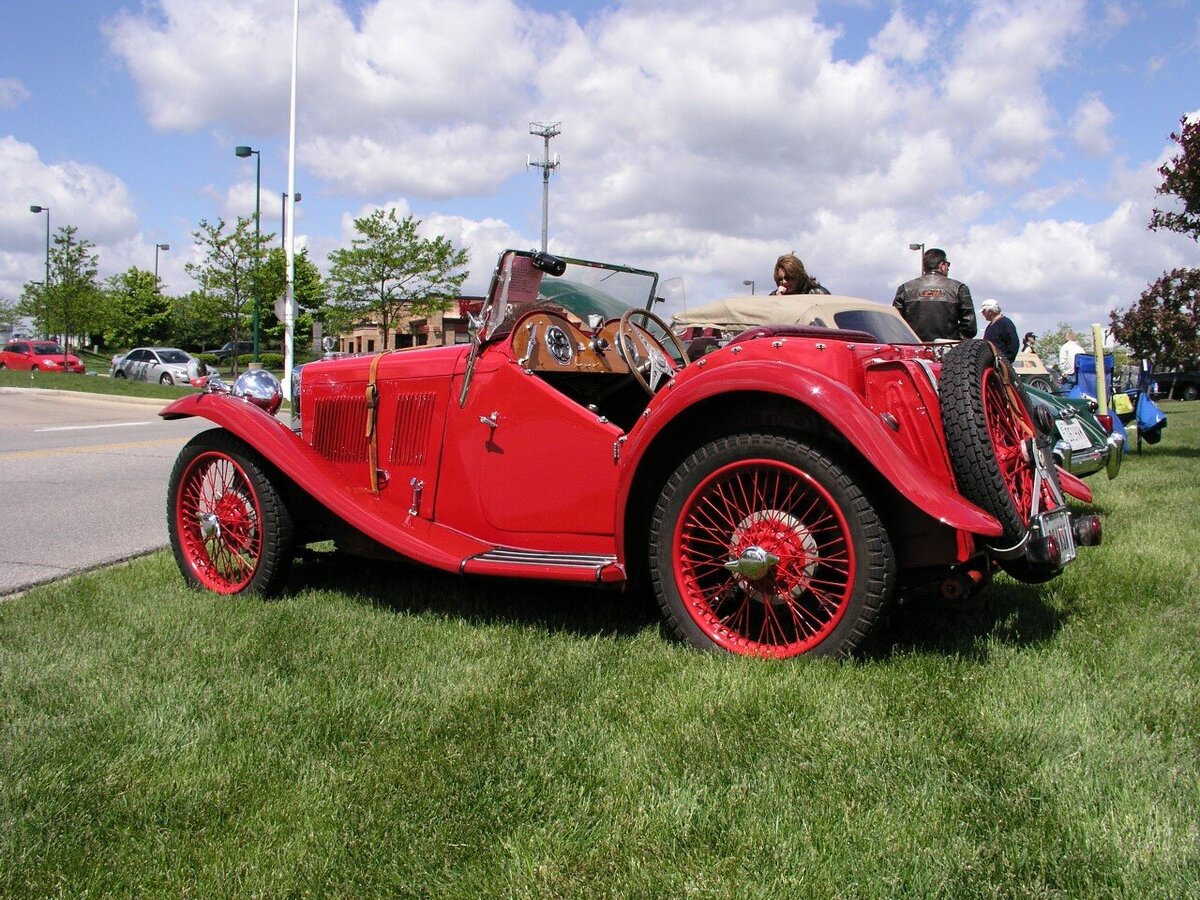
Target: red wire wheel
x=763, y=546
x=987, y=426
x=230, y=530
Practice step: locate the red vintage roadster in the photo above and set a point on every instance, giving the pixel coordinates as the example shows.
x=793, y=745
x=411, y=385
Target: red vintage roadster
x=777, y=493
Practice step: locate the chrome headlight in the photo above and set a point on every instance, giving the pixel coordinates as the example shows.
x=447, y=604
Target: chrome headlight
x=260, y=387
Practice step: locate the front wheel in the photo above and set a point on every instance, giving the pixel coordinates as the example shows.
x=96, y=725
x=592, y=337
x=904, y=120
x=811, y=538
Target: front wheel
x=166, y=380
x=1191, y=392
x=230, y=529
x=763, y=546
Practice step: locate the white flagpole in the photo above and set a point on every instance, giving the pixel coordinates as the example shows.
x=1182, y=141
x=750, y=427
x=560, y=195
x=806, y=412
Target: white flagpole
x=289, y=228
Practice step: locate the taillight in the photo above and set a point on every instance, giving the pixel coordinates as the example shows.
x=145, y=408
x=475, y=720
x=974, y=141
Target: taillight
x=1105, y=421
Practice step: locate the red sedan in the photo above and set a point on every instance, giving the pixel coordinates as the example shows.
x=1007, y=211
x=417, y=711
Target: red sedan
x=40, y=356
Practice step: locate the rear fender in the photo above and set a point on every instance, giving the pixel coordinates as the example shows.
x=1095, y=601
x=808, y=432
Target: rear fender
x=414, y=537
x=841, y=409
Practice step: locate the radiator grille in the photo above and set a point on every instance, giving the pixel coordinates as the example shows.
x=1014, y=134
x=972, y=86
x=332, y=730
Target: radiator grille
x=410, y=439
x=339, y=424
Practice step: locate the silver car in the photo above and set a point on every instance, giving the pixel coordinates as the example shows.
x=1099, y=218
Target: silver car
x=166, y=365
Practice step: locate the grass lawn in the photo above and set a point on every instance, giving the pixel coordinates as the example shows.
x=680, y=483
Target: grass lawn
x=390, y=731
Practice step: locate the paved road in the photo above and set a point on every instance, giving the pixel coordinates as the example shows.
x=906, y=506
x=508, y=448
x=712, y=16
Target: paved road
x=83, y=481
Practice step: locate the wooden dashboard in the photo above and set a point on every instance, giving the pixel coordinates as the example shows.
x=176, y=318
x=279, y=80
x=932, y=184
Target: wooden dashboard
x=550, y=342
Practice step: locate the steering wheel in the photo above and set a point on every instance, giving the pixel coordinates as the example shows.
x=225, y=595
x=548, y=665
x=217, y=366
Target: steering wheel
x=644, y=353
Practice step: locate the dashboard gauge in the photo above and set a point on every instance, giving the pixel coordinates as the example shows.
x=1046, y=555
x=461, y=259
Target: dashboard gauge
x=559, y=344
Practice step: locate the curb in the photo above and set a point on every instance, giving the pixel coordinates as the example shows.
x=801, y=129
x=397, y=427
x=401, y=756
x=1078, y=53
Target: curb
x=116, y=398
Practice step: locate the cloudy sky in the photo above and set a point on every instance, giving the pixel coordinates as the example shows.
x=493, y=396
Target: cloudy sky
x=698, y=139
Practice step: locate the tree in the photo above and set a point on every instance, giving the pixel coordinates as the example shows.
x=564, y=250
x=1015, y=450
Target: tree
x=138, y=313
x=72, y=302
x=1164, y=325
x=308, y=287
x=196, y=321
x=391, y=268
x=229, y=271
x=1181, y=179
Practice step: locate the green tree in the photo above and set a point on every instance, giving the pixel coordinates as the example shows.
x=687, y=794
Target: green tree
x=390, y=271
x=196, y=322
x=72, y=304
x=308, y=288
x=229, y=272
x=138, y=313
x=1181, y=179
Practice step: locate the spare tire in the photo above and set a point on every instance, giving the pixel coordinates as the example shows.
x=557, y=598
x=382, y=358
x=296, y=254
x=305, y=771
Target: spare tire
x=987, y=424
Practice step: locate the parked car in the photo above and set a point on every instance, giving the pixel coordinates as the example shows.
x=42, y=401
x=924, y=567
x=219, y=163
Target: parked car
x=232, y=348
x=1083, y=443
x=1035, y=373
x=778, y=494
x=166, y=365
x=1175, y=385
x=39, y=356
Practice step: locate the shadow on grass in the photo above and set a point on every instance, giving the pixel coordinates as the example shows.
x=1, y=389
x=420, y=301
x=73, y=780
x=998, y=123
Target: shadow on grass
x=412, y=589
x=1005, y=612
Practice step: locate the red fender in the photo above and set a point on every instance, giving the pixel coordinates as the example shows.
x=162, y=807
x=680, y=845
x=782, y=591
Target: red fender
x=414, y=537
x=839, y=406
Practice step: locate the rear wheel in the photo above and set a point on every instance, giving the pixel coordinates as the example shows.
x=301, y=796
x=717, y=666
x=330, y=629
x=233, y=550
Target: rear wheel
x=763, y=546
x=1191, y=392
x=120, y=373
x=1041, y=384
x=230, y=530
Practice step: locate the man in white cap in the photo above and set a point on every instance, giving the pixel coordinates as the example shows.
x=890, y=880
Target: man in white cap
x=1000, y=330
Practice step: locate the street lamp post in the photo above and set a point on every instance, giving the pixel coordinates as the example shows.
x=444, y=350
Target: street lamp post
x=749, y=284
x=921, y=248
x=283, y=218
x=46, y=283
x=158, y=247
x=242, y=151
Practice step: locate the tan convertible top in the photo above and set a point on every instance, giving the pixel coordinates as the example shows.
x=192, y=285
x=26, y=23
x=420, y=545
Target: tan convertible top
x=790, y=309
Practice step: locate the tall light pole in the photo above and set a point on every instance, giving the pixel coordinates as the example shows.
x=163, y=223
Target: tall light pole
x=158, y=247
x=547, y=164
x=921, y=248
x=243, y=152
x=749, y=284
x=46, y=283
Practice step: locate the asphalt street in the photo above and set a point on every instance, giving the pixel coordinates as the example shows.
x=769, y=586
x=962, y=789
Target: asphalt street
x=83, y=481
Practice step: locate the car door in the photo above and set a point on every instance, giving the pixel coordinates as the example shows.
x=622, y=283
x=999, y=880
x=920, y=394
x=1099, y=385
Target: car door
x=136, y=364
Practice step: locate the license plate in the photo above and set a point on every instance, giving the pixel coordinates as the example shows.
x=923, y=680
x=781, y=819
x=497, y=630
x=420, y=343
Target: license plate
x=1072, y=432
x=1059, y=525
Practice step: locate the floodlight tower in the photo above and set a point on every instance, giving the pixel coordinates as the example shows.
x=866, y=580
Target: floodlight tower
x=545, y=130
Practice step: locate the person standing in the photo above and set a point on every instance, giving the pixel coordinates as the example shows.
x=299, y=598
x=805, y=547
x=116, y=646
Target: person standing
x=1000, y=330
x=935, y=305
x=1028, y=342
x=792, y=278
x=1066, y=357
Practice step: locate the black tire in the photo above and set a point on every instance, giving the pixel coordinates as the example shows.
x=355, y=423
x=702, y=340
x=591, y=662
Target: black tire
x=166, y=380
x=831, y=569
x=230, y=529
x=986, y=423
x=120, y=373
x=1191, y=392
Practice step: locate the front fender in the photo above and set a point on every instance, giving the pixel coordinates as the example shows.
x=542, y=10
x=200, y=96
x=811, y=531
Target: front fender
x=841, y=409
x=414, y=537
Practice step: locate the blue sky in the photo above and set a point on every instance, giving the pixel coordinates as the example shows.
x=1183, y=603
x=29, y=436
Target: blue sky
x=698, y=140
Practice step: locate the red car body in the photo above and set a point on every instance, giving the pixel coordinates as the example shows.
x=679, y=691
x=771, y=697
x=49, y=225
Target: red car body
x=39, y=356
x=778, y=493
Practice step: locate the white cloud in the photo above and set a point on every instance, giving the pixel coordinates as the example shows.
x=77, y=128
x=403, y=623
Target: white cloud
x=1089, y=126
x=901, y=39
x=12, y=93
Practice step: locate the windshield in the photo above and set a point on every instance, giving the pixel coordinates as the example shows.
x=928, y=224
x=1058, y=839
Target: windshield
x=582, y=289
x=47, y=349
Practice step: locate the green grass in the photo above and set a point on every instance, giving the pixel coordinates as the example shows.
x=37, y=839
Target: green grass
x=387, y=731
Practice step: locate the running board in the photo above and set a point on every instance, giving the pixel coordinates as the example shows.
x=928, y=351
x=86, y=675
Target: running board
x=540, y=564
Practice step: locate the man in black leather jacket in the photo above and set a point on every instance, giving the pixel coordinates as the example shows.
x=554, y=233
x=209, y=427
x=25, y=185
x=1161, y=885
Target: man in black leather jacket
x=935, y=305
